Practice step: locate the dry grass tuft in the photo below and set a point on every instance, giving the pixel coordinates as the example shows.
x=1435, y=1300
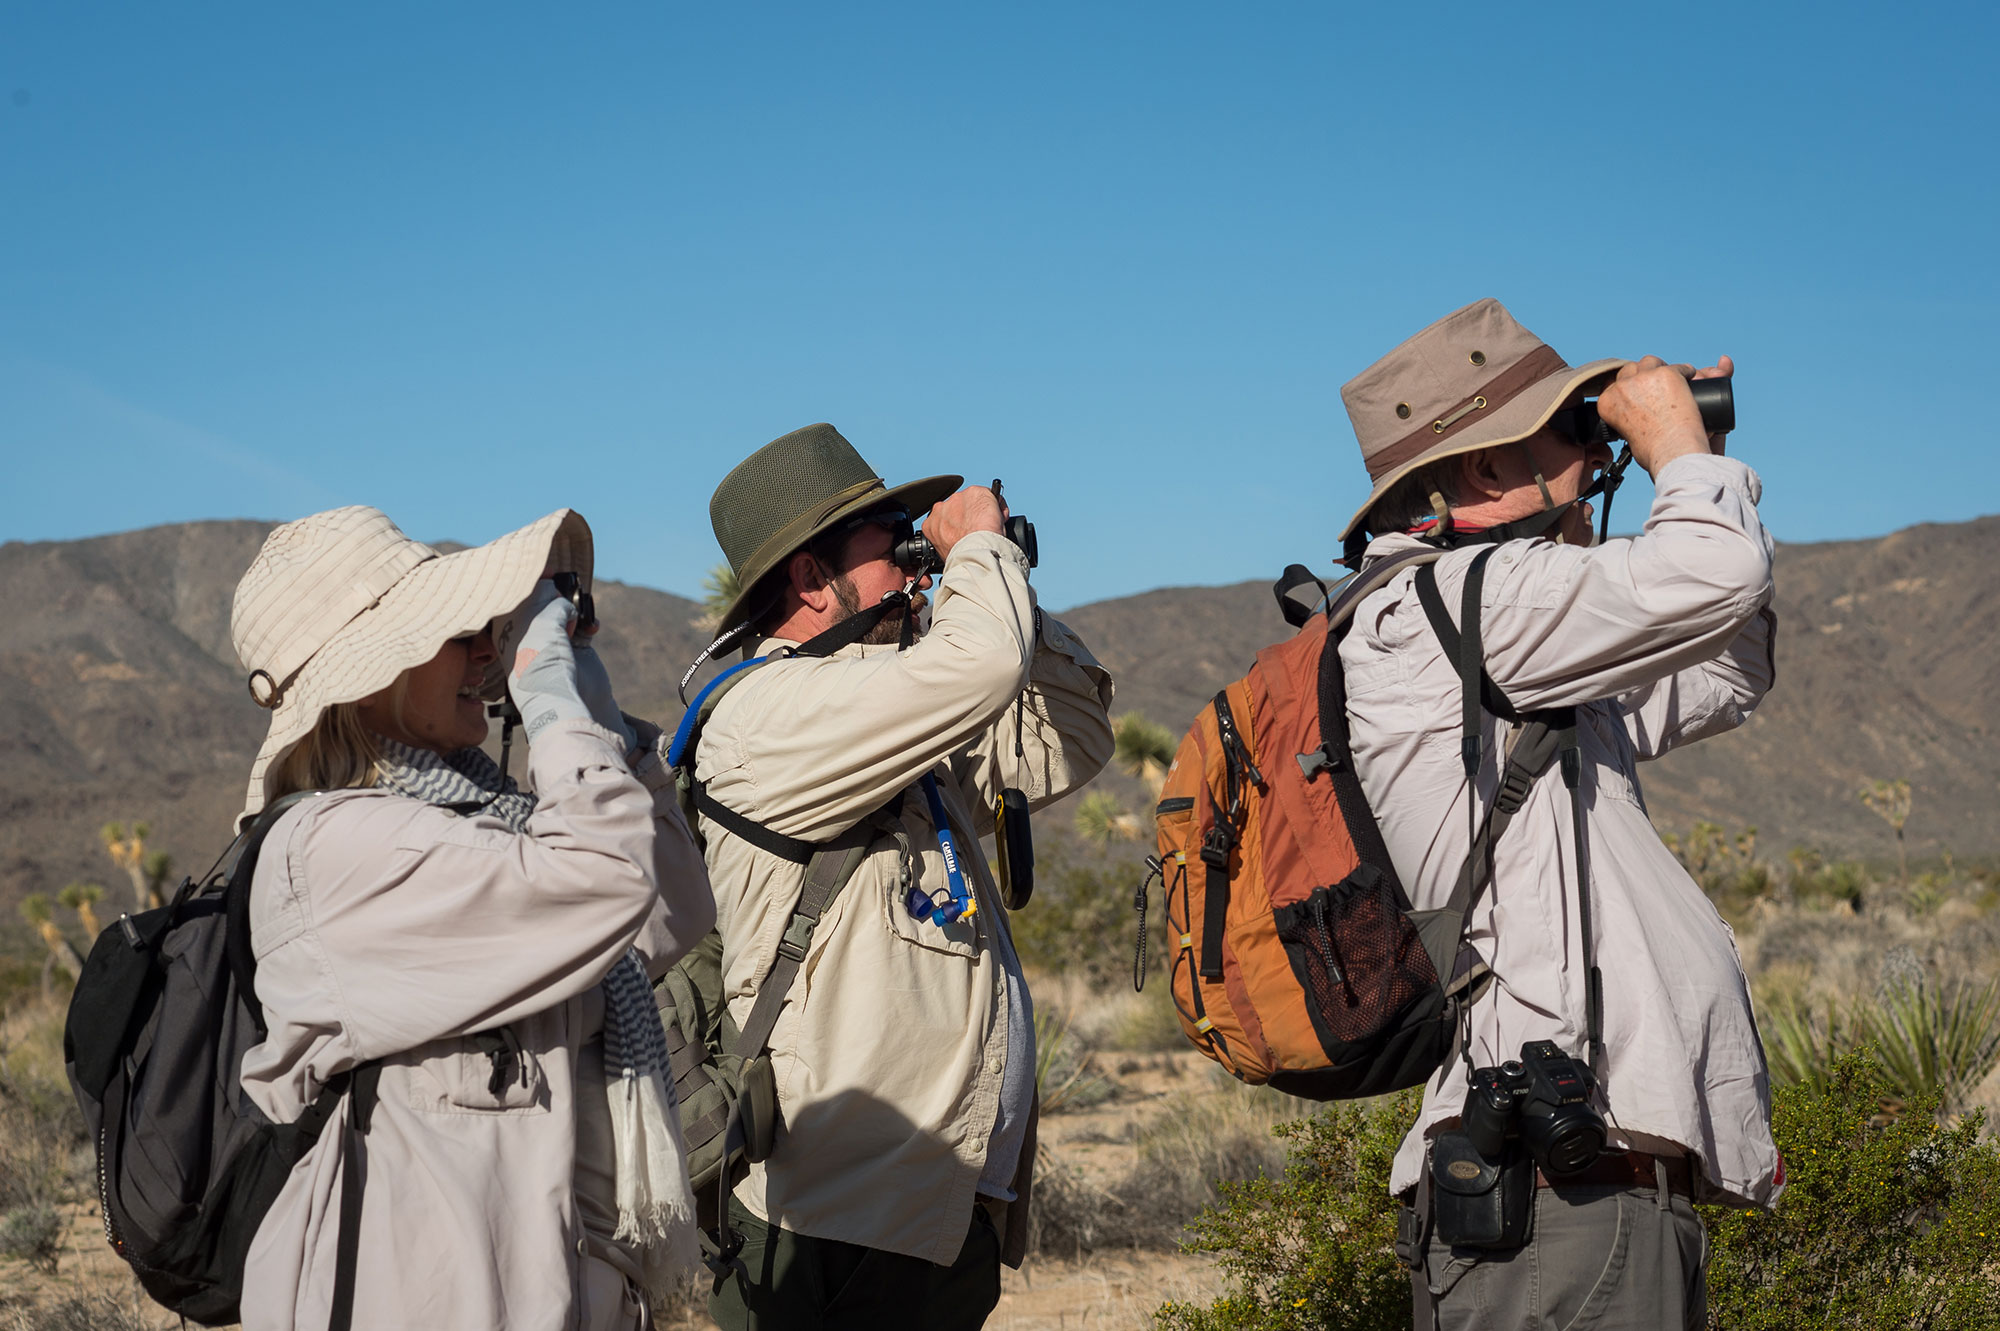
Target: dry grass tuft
x=42, y=1145
x=95, y=1310
x=1220, y=1132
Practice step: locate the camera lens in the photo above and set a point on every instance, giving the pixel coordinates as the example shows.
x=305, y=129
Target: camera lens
x=1563, y=1138
x=1559, y=1127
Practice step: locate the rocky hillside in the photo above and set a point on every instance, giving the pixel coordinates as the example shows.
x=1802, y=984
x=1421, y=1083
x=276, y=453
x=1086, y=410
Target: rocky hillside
x=120, y=697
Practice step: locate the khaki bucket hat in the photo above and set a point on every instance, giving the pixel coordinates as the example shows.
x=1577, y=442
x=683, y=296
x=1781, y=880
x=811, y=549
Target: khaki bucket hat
x=791, y=490
x=336, y=605
x=1474, y=379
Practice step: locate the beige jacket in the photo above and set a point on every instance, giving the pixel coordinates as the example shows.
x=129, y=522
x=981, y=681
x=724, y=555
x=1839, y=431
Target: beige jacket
x=389, y=928
x=890, y=1049
x=1663, y=639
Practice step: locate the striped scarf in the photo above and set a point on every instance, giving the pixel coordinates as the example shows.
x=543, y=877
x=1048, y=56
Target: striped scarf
x=655, y=1203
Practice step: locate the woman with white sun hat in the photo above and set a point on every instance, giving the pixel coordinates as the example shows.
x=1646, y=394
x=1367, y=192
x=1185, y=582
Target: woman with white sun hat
x=474, y=958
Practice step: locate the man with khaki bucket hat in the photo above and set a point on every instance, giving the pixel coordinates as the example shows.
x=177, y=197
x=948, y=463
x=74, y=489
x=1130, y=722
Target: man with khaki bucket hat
x=1610, y=971
x=903, y=1055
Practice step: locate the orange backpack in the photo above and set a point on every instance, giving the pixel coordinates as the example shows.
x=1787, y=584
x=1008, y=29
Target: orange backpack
x=1295, y=956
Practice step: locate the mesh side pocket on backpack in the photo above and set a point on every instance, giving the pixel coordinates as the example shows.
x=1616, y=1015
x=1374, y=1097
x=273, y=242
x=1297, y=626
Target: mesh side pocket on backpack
x=1357, y=956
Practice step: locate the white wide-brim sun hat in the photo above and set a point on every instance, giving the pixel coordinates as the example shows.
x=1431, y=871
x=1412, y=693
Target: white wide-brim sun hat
x=338, y=604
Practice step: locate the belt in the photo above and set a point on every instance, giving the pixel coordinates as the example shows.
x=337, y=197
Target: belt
x=1627, y=1169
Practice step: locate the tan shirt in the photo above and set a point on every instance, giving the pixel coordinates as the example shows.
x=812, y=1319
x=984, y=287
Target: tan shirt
x=891, y=1047
x=1663, y=639
x=389, y=928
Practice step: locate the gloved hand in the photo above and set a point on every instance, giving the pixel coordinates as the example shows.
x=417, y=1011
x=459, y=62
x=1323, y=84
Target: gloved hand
x=593, y=684
x=542, y=674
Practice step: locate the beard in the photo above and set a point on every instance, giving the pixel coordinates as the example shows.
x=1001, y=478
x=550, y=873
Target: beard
x=890, y=630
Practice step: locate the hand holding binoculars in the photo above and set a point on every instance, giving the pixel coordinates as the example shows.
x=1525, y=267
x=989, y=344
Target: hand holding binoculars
x=916, y=553
x=1714, y=398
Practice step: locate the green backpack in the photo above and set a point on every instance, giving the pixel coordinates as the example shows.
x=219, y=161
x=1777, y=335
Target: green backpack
x=722, y=1074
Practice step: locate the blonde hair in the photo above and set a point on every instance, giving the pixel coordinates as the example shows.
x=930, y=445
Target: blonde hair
x=338, y=752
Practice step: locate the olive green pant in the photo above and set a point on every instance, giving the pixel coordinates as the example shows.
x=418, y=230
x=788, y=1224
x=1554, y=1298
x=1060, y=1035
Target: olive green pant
x=796, y=1281
x=1600, y=1259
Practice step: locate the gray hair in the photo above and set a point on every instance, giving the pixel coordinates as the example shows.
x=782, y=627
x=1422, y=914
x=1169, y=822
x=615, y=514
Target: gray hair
x=1408, y=502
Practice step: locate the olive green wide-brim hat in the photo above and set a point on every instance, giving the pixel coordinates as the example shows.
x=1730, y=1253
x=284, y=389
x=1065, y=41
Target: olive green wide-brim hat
x=791, y=490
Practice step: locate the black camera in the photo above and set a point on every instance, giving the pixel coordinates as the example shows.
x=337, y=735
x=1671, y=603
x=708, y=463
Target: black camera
x=1715, y=398
x=1544, y=1101
x=916, y=553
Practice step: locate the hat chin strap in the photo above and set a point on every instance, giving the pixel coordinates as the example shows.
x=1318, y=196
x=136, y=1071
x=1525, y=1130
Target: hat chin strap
x=1449, y=536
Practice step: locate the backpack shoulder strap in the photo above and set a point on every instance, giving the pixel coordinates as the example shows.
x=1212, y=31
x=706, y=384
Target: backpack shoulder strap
x=829, y=870
x=236, y=903
x=1336, y=739
x=681, y=757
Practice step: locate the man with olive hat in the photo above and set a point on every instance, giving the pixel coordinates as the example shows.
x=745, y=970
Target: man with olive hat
x=1471, y=436
x=903, y=1055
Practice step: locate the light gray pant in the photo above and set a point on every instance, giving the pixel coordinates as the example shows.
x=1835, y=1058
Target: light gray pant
x=1613, y=1259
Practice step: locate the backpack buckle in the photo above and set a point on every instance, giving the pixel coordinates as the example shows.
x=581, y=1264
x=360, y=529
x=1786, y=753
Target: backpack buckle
x=1215, y=847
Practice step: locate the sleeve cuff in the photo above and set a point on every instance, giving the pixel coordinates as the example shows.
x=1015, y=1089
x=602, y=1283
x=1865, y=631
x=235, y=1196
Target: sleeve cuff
x=1707, y=469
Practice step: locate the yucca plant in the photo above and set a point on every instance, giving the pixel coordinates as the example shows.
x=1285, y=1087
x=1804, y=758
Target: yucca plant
x=719, y=587
x=1930, y=1038
x=1802, y=1044
x=1100, y=817
x=1931, y=1041
x=1143, y=749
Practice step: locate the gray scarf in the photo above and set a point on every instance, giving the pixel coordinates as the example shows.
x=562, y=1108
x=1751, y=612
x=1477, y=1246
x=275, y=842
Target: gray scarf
x=655, y=1204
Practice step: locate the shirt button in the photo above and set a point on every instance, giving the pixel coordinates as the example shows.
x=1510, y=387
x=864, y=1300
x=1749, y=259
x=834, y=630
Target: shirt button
x=582, y=1246
x=996, y=1066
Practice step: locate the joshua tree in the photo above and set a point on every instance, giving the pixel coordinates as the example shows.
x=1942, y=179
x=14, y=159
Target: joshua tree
x=81, y=898
x=147, y=871
x=1890, y=801
x=35, y=910
x=719, y=588
x=1143, y=749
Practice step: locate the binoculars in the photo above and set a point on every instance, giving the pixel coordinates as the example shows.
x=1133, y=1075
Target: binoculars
x=914, y=551
x=1715, y=398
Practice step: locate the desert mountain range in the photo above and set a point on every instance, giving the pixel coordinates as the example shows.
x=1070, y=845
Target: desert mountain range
x=121, y=697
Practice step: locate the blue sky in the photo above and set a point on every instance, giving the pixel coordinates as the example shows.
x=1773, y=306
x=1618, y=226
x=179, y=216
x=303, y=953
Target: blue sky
x=470, y=263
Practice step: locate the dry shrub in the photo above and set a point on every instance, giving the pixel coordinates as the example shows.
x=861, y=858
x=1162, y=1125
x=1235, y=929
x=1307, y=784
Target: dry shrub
x=41, y=1132
x=1222, y=1134
x=97, y=1310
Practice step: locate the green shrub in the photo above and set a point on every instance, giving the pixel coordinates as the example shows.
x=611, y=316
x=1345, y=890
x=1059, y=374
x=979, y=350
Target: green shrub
x=1080, y=921
x=1878, y=1228
x=1886, y=1222
x=1726, y=868
x=1311, y=1248
x=1815, y=882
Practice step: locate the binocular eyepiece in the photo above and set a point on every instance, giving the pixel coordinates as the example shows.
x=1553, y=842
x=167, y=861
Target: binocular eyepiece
x=916, y=553
x=1715, y=398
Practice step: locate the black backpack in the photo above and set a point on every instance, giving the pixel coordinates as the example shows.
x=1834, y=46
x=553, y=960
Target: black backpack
x=187, y=1166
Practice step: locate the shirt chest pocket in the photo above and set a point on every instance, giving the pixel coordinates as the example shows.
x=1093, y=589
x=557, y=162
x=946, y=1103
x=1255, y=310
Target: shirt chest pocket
x=956, y=938
x=488, y=1072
